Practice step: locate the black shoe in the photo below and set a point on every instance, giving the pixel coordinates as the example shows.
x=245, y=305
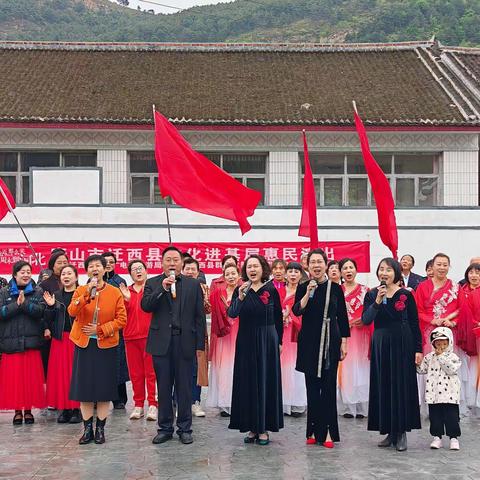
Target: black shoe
x=64, y=416
x=223, y=413
x=87, y=436
x=347, y=415
x=249, y=439
x=118, y=405
x=162, y=437
x=386, y=442
x=359, y=415
x=402, y=442
x=28, y=417
x=186, y=438
x=76, y=417
x=100, y=431
x=18, y=418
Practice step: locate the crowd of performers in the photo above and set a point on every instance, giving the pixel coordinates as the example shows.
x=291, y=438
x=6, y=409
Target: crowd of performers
x=299, y=339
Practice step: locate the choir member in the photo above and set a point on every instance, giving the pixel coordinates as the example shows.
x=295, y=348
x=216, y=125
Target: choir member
x=468, y=337
x=293, y=382
x=223, y=336
x=21, y=337
x=396, y=350
x=220, y=281
x=99, y=313
x=62, y=348
x=279, y=270
x=429, y=269
x=322, y=343
x=135, y=333
x=112, y=278
x=333, y=271
x=410, y=279
x=354, y=371
x=257, y=395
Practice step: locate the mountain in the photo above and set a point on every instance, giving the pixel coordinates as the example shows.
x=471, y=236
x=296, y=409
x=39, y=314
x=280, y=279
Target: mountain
x=454, y=22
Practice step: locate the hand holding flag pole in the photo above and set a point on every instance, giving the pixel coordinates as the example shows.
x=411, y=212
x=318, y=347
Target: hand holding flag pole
x=387, y=224
x=9, y=202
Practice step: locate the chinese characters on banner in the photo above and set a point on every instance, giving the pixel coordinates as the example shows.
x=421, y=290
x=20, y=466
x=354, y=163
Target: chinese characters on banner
x=208, y=254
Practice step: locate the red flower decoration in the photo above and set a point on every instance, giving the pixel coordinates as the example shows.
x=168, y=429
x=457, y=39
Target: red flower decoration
x=264, y=297
x=403, y=298
x=399, y=306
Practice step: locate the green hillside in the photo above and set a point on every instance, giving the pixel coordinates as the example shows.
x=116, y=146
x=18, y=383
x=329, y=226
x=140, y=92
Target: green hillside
x=454, y=22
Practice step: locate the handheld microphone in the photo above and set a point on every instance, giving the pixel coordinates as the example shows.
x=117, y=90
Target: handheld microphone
x=312, y=292
x=93, y=291
x=173, y=288
x=249, y=286
x=383, y=283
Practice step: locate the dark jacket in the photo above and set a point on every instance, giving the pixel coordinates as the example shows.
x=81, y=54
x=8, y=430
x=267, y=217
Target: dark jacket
x=158, y=301
x=414, y=280
x=113, y=279
x=308, y=344
x=57, y=315
x=51, y=284
x=21, y=327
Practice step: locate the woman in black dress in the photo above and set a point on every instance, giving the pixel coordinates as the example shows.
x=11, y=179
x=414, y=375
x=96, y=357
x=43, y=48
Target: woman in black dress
x=257, y=383
x=322, y=343
x=396, y=348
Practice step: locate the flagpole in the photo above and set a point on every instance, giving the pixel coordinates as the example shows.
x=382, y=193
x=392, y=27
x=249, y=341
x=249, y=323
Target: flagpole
x=7, y=202
x=165, y=199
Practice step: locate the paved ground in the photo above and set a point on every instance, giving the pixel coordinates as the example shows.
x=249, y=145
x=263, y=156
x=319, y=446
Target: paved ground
x=50, y=451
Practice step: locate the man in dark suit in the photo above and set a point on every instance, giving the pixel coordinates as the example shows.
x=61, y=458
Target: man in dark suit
x=410, y=280
x=177, y=332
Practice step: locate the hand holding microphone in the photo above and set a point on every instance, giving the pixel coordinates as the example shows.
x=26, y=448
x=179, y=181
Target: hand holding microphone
x=243, y=290
x=312, y=286
x=93, y=286
x=173, y=288
x=382, y=293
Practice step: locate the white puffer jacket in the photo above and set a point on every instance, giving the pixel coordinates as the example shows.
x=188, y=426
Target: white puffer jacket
x=443, y=384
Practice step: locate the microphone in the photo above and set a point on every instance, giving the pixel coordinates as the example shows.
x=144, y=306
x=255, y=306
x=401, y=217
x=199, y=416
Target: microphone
x=249, y=286
x=173, y=288
x=383, y=283
x=312, y=292
x=93, y=291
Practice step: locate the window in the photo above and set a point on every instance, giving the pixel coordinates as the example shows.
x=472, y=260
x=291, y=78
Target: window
x=15, y=168
x=250, y=169
x=341, y=179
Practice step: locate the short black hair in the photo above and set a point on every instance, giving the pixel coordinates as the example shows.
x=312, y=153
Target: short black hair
x=429, y=264
x=317, y=251
x=294, y=266
x=135, y=260
x=17, y=266
x=331, y=263
x=441, y=255
x=73, y=267
x=191, y=260
x=409, y=255
x=472, y=266
x=172, y=248
x=95, y=258
x=228, y=257
x=395, y=265
x=345, y=260
x=54, y=255
x=279, y=261
x=264, y=264
x=109, y=254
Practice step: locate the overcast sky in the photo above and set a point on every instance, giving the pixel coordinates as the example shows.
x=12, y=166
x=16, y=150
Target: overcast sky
x=174, y=3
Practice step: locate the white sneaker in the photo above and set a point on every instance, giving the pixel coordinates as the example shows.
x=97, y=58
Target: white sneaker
x=152, y=413
x=137, y=413
x=197, y=410
x=454, y=444
x=436, y=443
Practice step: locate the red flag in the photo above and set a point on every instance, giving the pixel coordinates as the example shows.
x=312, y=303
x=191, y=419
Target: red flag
x=7, y=201
x=387, y=225
x=196, y=183
x=308, y=223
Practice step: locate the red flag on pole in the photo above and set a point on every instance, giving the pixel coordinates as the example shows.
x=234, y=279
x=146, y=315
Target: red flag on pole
x=387, y=224
x=7, y=202
x=308, y=223
x=196, y=183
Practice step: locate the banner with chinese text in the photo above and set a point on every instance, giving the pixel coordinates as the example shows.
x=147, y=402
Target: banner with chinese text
x=209, y=254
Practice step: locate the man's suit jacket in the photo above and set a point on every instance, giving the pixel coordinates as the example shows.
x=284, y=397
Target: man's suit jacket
x=414, y=280
x=158, y=301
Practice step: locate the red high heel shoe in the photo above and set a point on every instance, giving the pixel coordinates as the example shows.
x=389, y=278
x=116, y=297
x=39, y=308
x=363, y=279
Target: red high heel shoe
x=311, y=441
x=329, y=444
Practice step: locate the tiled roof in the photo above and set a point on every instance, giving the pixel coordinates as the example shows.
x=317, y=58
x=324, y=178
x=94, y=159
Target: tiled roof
x=412, y=83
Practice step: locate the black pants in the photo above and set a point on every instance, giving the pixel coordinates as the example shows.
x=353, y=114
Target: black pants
x=444, y=418
x=173, y=369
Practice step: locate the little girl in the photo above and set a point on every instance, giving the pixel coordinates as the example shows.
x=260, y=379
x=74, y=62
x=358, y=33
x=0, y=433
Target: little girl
x=442, y=388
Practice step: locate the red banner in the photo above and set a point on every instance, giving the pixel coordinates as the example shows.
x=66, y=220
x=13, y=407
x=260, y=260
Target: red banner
x=209, y=254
